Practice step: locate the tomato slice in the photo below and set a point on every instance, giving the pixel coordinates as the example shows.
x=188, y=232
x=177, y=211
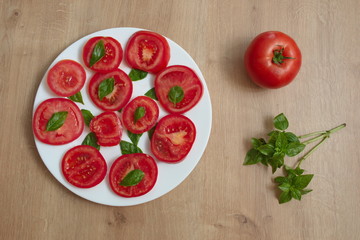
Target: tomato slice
x=112, y=58
x=147, y=51
x=83, y=166
x=126, y=163
x=68, y=132
x=66, y=78
x=107, y=128
x=173, y=138
x=146, y=121
x=120, y=95
x=178, y=76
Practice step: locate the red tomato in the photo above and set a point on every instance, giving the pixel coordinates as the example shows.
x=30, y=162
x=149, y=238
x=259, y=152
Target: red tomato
x=66, y=78
x=173, y=138
x=112, y=58
x=272, y=60
x=183, y=77
x=118, y=98
x=147, y=51
x=107, y=128
x=68, y=132
x=144, y=123
x=83, y=166
x=128, y=162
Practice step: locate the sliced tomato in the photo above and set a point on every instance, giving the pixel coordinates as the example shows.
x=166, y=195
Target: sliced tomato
x=173, y=138
x=120, y=95
x=147, y=51
x=83, y=166
x=125, y=164
x=68, y=132
x=107, y=128
x=112, y=58
x=66, y=78
x=178, y=76
x=146, y=120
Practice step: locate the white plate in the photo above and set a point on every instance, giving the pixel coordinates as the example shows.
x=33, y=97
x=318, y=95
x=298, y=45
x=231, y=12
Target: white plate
x=170, y=175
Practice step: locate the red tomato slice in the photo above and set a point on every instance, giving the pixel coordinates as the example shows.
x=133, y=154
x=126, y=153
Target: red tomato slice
x=126, y=163
x=173, y=138
x=147, y=51
x=66, y=78
x=112, y=58
x=107, y=128
x=83, y=166
x=118, y=98
x=68, y=132
x=147, y=121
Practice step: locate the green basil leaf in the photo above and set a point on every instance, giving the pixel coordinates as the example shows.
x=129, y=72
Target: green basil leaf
x=276, y=161
x=134, y=137
x=106, y=87
x=136, y=74
x=265, y=160
x=87, y=115
x=281, y=142
x=301, y=182
x=98, y=53
x=253, y=156
x=298, y=171
x=296, y=194
x=285, y=197
x=77, y=97
x=139, y=113
x=257, y=142
x=267, y=149
x=151, y=94
x=284, y=187
x=56, y=121
x=273, y=136
x=91, y=140
x=281, y=180
x=294, y=148
x=291, y=137
x=128, y=148
x=281, y=122
x=133, y=178
x=151, y=132
x=176, y=94
x=305, y=191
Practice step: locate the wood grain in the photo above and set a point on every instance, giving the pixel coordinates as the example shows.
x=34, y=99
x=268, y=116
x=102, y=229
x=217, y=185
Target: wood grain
x=221, y=199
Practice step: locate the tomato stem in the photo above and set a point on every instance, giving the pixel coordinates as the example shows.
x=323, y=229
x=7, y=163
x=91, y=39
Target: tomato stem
x=278, y=56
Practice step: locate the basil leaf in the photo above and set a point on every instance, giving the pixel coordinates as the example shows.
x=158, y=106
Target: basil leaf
x=151, y=94
x=77, y=97
x=305, y=191
x=106, y=87
x=281, y=122
x=176, y=94
x=133, y=178
x=273, y=136
x=291, y=137
x=298, y=171
x=267, y=149
x=151, y=132
x=294, y=149
x=296, y=194
x=285, y=197
x=128, y=148
x=301, y=182
x=91, y=140
x=139, y=113
x=87, y=115
x=285, y=187
x=281, y=180
x=265, y=160
x=134, y=137
x=281, y=142
x=56, y=121
x=98, y=53
x=277, y=161
x=136, y=74
x=257, y=142
x=253, y=156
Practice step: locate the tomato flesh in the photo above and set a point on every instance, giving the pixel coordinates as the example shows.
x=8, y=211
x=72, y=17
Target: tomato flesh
x=259, y=60
x=183, y=77
x=173, y=138
x=147, y=51
x=146, y=122
x=112, y=58
x=126, y=163
x=119, y=97
x=66, y=78
x=84, y=166
x=107, y=128
x=68, y=132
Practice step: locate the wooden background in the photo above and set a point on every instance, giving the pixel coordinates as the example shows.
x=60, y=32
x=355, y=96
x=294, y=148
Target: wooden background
x=221, y=199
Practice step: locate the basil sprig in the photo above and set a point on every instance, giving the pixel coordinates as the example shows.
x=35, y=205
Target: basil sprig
x=98, y=53
x=139, y=113
x=136, y=74
x=56, y=121
x=106, y=87
x=176, y=94
x=133, y=178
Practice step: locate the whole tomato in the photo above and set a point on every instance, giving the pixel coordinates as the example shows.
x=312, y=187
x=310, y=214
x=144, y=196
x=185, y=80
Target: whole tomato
x=272, y=59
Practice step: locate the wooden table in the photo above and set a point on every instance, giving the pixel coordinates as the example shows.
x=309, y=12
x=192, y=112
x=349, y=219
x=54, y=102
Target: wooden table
x=221, y=199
